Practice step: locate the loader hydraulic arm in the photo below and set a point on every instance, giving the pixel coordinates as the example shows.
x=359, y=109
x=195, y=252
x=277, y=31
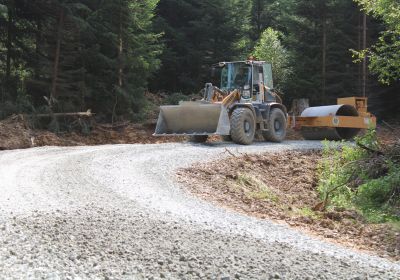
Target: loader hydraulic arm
x=233, y=97
x=214, y=95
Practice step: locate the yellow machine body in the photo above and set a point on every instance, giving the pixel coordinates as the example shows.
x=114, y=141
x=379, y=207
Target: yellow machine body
x=337, y=122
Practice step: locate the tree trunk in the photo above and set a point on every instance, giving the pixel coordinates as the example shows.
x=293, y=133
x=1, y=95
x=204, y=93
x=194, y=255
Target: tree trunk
x=53, y=93
x=259, y=11
x=364, y=67
x=324, y=56
x=9, y=43
x=299, y=105
x=83, y=89
x=120, y=69
x=39, y=41
x=6, y=86
x=120, y=66
x=359, y=47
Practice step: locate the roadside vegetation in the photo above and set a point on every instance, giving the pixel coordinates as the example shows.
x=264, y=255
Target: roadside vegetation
x=348, y=193
x=364, y=177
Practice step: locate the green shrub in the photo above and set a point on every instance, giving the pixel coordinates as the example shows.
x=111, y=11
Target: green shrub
x=175, y=98
x=334, y=174
x=379, y=198
x=361, y=177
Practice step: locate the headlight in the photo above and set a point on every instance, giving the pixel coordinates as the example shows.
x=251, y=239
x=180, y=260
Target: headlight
x=246, y=92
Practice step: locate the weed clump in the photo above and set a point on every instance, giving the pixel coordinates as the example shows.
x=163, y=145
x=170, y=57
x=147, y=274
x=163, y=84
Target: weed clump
x=363, y=177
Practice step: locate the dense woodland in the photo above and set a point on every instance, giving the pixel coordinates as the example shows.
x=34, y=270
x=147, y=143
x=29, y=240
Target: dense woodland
x=69, y=56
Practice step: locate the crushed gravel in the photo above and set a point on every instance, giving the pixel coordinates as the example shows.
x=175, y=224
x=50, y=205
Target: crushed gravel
x=115, y=212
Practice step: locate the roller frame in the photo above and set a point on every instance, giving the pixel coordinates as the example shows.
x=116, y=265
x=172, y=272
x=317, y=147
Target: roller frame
x=332, y=121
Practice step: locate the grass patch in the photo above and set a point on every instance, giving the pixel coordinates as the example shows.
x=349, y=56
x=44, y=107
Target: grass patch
x=255, y=188
x=306, y=212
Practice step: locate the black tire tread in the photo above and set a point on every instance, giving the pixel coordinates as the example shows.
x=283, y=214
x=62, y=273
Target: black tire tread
x=237, y=133
x=270, y=135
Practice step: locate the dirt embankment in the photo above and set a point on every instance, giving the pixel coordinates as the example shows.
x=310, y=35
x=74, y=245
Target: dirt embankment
x=15, y=133
x=283, y=187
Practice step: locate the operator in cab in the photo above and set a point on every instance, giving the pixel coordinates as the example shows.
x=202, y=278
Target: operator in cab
x=242, y=77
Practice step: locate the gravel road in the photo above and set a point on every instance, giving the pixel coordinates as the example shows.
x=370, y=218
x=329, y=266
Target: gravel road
x=115, y=212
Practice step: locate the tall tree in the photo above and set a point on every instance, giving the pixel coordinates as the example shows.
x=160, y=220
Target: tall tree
x=384, y=56
x=122, y=55
x=60, y=78
x=78, y=54
x=269, y=48
x=198, y=34
x=320, y=34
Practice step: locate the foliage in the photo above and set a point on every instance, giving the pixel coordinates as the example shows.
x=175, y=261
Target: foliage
x=175, y=98
x=76, y=55
x=270, y=49
x=125, y=55
x=384, y=56
x=197, y=35
x=111, y=51
x=379, y=198
x=361, y=177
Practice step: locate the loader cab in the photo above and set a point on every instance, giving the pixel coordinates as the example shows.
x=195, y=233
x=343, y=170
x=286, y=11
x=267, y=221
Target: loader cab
x=249, y=77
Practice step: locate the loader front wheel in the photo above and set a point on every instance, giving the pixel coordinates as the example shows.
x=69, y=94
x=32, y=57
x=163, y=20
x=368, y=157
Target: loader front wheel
x=243, y=126
x=276, y=126
x=198, y=138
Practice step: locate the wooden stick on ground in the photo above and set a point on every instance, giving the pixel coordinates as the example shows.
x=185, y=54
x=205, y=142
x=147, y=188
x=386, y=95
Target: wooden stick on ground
x=77, y=114
x=229, y=152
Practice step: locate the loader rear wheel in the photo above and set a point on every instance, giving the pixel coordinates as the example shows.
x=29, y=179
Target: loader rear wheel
x=226, y=138
x=243, y=126
x=198, y=138
x=276, y=126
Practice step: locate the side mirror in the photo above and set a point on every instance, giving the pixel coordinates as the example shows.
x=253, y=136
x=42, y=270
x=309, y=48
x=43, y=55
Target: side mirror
x=208, y=92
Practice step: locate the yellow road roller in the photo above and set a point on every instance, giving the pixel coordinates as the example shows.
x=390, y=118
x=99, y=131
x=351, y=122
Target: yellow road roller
x=337, y=122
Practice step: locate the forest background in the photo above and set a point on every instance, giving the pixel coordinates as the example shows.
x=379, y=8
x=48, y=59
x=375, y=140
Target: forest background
x=60, y=56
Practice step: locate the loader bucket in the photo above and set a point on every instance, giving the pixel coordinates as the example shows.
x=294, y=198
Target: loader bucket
x=330, y=133
x=193, y=118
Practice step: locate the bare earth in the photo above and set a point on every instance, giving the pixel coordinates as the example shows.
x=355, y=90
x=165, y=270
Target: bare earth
x=283, y=187
x=16, y=133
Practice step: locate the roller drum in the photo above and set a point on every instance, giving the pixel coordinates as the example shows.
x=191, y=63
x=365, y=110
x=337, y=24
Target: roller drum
x=330, y=133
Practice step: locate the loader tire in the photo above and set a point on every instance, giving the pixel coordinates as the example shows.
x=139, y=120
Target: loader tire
x=226, y=138
x=198, y=138
x=276, y=126
x=243, y=126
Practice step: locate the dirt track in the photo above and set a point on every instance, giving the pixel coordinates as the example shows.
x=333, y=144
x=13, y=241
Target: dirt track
x=115, y=212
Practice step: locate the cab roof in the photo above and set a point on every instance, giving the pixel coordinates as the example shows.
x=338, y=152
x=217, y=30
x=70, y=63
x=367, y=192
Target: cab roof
x=248, y=62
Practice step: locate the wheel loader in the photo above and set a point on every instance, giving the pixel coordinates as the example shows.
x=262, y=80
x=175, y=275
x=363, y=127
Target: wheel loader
x=245, y=102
